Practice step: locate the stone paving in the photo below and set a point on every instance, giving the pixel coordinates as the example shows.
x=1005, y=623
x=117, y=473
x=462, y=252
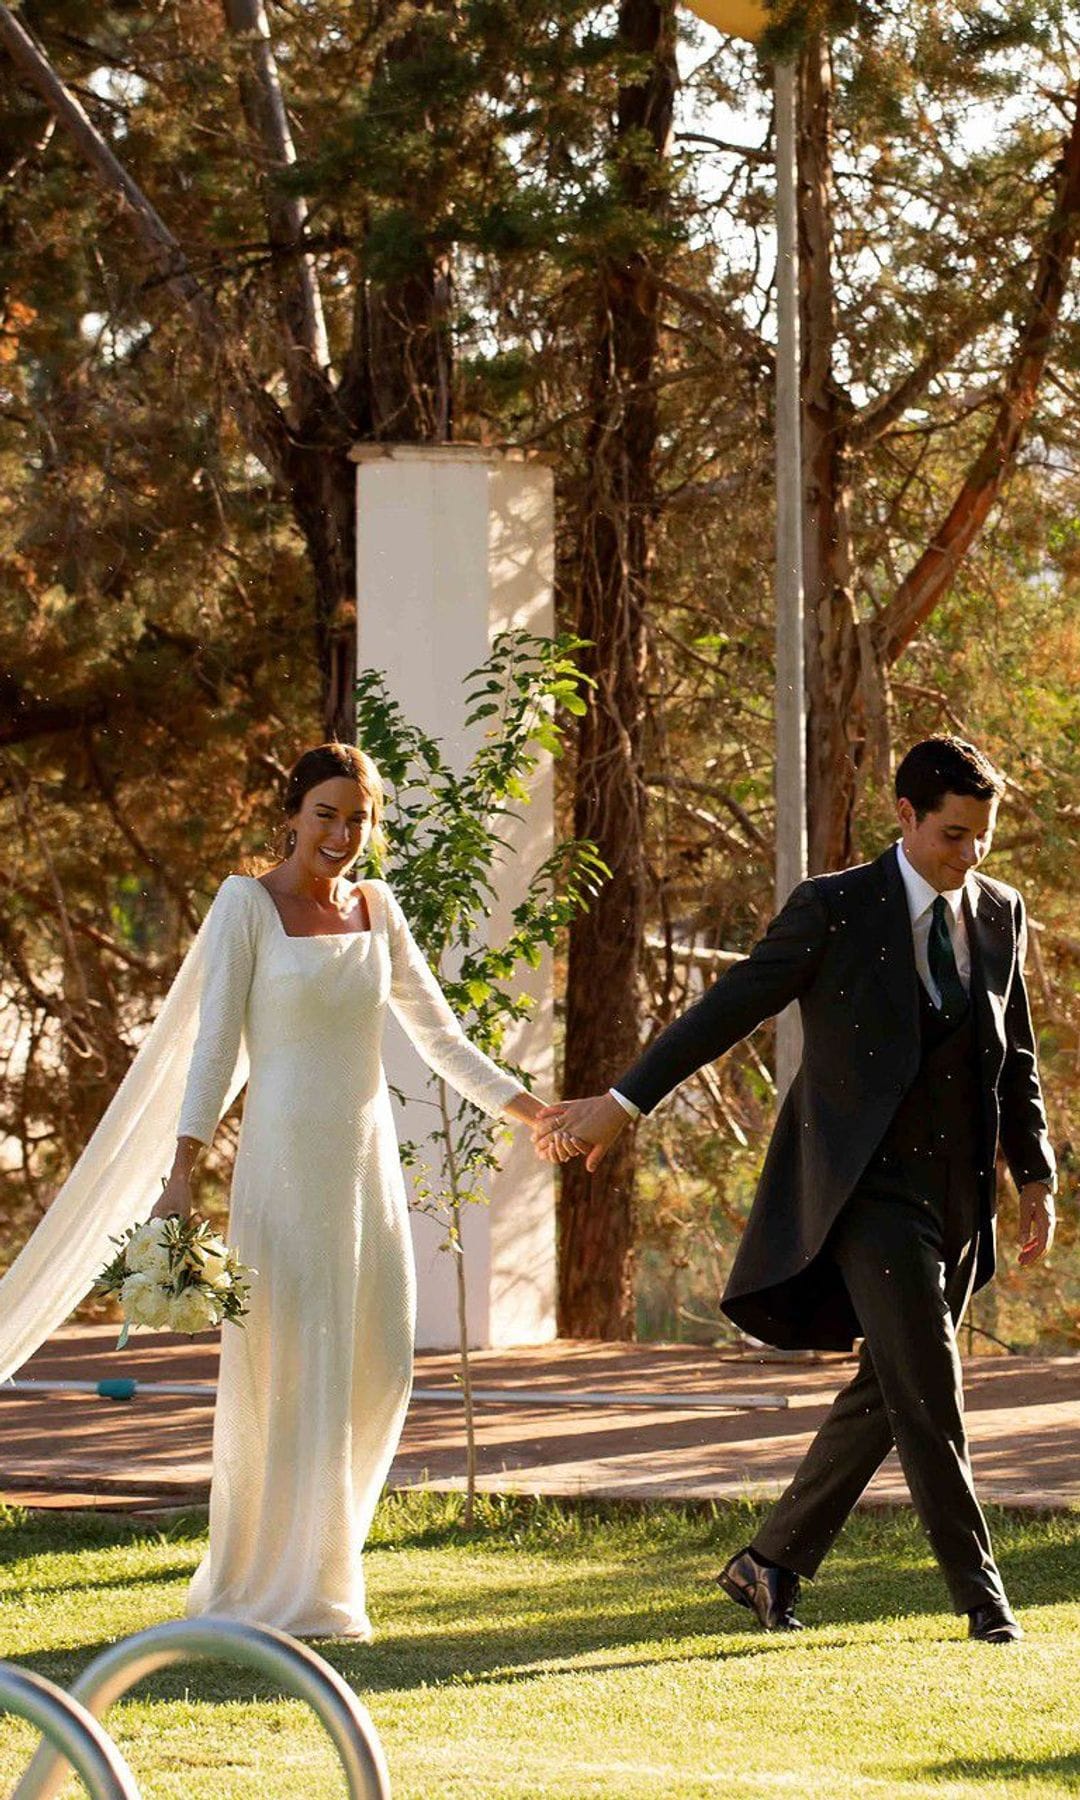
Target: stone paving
x=152, y=1453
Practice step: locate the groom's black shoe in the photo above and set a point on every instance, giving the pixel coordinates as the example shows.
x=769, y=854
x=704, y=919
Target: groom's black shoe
x=993, y=1624
x=769, y=1591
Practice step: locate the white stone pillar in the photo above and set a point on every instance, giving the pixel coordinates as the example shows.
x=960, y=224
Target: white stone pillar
x=455, y=543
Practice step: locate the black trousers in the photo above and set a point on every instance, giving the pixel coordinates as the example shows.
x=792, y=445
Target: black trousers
x=905, y=1246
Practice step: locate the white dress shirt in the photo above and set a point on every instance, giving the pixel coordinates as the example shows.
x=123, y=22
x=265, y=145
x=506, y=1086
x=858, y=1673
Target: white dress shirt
x=920, y=899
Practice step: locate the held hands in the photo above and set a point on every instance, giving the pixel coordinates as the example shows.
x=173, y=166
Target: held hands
x=1037, y=1222
x=571, y=1127
x=579, y=1128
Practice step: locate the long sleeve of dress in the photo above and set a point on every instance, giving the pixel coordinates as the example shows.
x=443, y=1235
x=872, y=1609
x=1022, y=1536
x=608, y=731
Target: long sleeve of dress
x=417, y=1000
x=230, y=960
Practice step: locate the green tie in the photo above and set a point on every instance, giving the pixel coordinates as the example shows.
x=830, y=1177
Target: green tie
x=939, y=955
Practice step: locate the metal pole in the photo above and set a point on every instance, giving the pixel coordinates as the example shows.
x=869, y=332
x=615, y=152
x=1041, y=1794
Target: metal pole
x=715, y=1402
x=723, y=1399
x=790, y=679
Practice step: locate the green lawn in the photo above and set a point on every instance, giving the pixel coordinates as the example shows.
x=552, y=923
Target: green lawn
x=579, y=1651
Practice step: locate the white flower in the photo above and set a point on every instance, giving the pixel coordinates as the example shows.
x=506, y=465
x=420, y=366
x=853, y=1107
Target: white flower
x=146, y=1252
x=155, y=1263
x=215, y=1262
x=143, y=1301
x=193, y=1309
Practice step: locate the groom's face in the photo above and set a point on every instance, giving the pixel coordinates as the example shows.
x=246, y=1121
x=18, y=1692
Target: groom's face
x=946, y=844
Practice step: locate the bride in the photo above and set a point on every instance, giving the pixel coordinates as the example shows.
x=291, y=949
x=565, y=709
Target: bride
x=288, y=985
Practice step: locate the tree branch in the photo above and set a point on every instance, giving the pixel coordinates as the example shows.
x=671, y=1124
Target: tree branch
x=307, y=350
x=107, y=789
x=23, y=715
x=680, y=783
x=933, y=573
x=753, y=348
x=876, y=420
x=260, y=418
x=749, y=152
x=42, y=902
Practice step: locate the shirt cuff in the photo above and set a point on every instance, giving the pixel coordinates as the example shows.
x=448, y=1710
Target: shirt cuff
x=627, y=1105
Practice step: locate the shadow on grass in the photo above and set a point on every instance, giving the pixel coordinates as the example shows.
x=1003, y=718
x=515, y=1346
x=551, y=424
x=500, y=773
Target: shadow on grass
x=618, y=1588
x=47, y=1533
x=102, y=1584
x=560, y=1625
x=1063, y=1770
x=555, y=1620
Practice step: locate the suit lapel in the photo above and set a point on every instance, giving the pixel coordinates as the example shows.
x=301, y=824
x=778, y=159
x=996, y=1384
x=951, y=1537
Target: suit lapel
x=900, y=980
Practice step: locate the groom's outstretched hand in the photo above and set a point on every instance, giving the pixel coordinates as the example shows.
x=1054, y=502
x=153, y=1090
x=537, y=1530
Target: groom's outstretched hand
x=579, y=1128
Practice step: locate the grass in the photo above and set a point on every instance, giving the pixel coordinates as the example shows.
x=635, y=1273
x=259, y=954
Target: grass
x=579, y=1651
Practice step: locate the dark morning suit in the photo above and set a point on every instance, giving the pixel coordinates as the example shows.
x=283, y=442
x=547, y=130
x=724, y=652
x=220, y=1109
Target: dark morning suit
x=874, y=1213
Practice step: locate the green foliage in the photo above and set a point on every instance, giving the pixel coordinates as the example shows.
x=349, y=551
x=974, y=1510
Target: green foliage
x=157, y=584
x=792, y=22
x=447, y=834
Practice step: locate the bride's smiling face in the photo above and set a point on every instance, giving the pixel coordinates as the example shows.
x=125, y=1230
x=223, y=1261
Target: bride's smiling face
x=332, y=827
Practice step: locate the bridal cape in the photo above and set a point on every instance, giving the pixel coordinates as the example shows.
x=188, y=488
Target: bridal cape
x=117, y=1178
x=313, y=1385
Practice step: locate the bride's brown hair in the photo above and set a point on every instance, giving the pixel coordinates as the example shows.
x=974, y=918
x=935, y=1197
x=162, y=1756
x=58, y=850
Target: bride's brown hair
x=326, y=762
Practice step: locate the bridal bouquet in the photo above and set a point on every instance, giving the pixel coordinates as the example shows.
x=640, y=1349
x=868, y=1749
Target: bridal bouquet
x=175, y=1274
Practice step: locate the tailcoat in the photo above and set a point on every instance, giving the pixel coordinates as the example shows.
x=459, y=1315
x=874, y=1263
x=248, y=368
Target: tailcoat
x=842, y=947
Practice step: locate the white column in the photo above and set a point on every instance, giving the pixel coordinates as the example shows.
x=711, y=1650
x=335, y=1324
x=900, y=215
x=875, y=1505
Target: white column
x=454, y=544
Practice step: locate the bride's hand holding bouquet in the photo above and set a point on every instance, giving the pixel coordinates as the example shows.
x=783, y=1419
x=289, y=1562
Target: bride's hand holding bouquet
x=176, y=1190
x=175, y=1273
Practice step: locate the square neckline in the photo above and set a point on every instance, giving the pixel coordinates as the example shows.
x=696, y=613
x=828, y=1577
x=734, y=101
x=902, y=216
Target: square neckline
x=300, y=937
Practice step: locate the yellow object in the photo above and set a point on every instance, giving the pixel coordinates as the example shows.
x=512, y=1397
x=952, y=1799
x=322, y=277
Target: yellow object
x=737, y=18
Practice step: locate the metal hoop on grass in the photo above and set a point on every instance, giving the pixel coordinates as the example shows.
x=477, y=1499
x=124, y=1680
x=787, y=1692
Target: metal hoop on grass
x=73, y=1734
x=291, y=1664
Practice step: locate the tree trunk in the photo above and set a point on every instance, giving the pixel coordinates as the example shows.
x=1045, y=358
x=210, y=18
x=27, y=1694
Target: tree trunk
x=409, y=341
x=324, y=504
x=411, y=356
x=597, y=1213
x=831, y=641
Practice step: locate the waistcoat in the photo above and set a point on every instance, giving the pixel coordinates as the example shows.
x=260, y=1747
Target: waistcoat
x=940, y=1115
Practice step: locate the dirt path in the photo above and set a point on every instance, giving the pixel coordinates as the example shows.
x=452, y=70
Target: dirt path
x=153, y=1452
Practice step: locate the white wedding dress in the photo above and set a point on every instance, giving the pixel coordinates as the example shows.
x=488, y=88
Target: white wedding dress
x=313, y=1385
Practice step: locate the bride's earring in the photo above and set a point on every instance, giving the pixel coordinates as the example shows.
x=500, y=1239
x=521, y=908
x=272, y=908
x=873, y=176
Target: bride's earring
x=290, y=842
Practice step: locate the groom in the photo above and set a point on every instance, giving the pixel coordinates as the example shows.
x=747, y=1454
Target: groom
x=874, y=1216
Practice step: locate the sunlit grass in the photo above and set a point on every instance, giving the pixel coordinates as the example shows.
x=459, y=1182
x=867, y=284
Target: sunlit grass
x=582, y=1650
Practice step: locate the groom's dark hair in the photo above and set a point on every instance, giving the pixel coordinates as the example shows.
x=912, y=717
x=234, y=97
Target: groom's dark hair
x=946, y=765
